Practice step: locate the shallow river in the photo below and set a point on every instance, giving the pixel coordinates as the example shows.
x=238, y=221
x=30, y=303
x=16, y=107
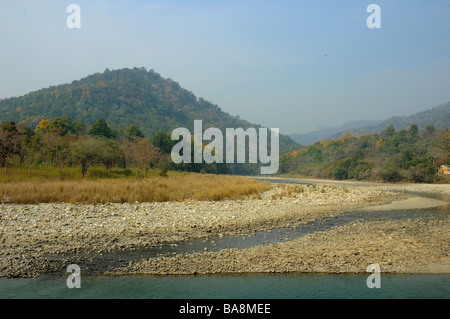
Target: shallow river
x=242, y=286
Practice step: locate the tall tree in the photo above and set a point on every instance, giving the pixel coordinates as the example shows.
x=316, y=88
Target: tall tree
x=10, y=143
x=413, y=132
x=61, y=125
x=78, y=128
x=110, y=153
x=141, y=154
x=58, y=148
x=101, y=129
x=85, y=152
x=133, y=132
x=164, y=142
x=31, y=149
x=42, y=127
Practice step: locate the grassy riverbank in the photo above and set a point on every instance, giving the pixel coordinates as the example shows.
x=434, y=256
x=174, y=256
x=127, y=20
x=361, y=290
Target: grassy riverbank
x=175, y=187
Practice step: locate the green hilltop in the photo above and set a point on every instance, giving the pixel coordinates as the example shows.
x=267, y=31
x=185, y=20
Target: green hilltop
x=124, y=97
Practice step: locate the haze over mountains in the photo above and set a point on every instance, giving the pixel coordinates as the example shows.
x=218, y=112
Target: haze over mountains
x=137, y=96
x=327, y=131
x=438, y=116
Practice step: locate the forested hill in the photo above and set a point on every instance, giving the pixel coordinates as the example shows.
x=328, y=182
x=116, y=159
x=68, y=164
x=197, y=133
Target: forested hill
x=124, y=97
x=411, y=155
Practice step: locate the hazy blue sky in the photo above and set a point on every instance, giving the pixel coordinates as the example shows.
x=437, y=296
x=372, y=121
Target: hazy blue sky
x=293, y=65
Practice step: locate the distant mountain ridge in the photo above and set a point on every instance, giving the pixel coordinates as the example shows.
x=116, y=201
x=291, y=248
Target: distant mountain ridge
x=124, y=97
x=438, y=116
x=325, y=132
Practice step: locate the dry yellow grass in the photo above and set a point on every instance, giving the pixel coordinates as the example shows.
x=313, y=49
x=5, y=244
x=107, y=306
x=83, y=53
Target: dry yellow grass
x=289, y=192
x=173, y=188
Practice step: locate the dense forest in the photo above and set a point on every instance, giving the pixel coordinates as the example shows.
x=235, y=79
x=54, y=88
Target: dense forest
x=393, y=155
x=122, y=98
x=62, y=143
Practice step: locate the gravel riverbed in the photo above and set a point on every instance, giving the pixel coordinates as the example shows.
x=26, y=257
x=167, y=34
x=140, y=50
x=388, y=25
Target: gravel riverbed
x=45, y=238
x=400, y=246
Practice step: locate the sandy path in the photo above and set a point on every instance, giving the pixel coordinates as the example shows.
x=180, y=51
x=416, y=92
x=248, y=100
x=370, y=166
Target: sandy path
x=443, y=189
x=409, y=203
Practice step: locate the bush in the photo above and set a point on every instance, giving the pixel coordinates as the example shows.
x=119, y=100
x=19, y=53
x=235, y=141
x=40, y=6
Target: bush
x=391, y=173
x=422, y=173
x=340, y=169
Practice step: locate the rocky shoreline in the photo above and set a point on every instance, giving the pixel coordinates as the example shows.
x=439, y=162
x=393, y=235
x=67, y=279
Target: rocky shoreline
x=402, y=246
x=45, y=238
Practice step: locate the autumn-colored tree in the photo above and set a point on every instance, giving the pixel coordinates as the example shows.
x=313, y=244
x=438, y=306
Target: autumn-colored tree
x=379, y=144
x=42, y=127
x=141, y=154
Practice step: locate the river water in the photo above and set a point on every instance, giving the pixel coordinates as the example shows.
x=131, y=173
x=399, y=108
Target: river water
x=241, y=286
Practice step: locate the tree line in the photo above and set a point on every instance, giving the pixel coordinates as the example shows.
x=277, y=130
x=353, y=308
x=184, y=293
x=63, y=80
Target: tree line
x=392, y=156
x=62, y=142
